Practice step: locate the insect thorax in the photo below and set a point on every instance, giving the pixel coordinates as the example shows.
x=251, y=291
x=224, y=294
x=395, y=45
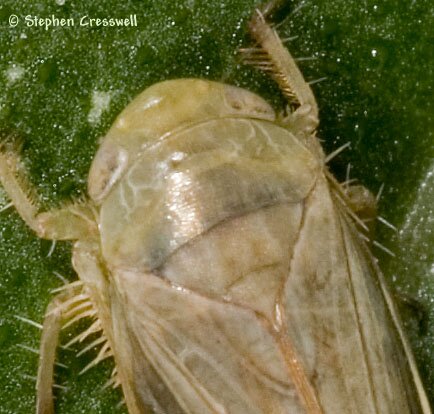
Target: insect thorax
x=209, y=169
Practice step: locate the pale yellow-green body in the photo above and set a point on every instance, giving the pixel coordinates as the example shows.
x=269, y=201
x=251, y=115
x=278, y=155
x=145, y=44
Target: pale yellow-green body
x=223, y=263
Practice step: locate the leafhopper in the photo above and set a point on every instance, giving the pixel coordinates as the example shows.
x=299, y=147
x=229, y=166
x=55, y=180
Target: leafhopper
x=222, y=264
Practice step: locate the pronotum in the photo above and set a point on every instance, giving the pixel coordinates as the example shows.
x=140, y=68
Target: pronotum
x=305, y=392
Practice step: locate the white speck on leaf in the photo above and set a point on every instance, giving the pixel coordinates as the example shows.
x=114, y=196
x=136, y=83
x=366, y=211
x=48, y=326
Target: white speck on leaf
x=14, y=73
x=100, y=104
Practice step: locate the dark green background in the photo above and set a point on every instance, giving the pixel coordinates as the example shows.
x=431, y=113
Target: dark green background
x=377, y=57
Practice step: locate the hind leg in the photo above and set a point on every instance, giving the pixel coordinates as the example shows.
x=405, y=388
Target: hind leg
x=68, y=307
x=274, y=58
x=47, y=353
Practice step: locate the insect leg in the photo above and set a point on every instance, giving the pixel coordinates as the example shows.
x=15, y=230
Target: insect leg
x=358, y=202
x=363, y=202
x=273, y=58
x=47, y=352
x=67, y=223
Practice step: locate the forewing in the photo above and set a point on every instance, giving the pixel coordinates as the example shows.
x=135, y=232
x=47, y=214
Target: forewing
x=338, y=318
x=193, y=354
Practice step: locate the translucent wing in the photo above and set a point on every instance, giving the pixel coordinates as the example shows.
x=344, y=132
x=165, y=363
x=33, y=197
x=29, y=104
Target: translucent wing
x=338, y=317
x=192, y=354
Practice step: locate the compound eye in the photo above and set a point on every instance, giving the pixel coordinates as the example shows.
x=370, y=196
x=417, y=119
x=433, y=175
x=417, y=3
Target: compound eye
x=106, y=170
